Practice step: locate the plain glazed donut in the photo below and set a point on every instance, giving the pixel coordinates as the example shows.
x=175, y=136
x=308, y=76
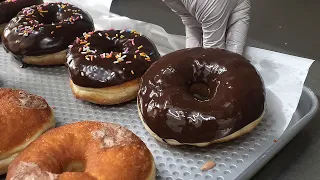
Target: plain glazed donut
x=10, y=8
x=105, y=66
x=201, y=96
x=41, y=34
x=85, y=150
x=23, y=117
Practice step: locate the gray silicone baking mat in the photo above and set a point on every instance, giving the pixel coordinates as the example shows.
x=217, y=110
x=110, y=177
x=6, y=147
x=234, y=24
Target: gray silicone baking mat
x=231, y=158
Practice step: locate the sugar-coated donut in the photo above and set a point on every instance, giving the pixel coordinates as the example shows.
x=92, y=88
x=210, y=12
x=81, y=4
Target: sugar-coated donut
x=85, y=150
x=40, y=34
x=23, y=117
x=10, y=8
x=201, y=96
x=105, y=66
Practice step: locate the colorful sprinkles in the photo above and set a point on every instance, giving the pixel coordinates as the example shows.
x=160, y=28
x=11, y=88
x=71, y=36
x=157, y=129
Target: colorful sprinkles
x=29, y=17
x=131, y=49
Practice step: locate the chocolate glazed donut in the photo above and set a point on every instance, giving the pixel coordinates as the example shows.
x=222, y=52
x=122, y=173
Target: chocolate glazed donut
x=201, y=96
x=10, y=8
x=105, y=66
x=41, y=34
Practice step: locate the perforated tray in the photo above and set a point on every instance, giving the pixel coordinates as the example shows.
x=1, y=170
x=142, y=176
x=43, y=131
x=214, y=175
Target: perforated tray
x=238, y=159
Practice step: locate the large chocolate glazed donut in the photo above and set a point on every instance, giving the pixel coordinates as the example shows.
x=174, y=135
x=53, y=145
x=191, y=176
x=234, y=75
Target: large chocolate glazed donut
x=41, y=34
x=10, y=8
x=201, y=96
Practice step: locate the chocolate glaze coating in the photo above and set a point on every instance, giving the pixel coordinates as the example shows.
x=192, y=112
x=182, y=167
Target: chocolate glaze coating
x=10, y=8
x=236, y=95
x=107, y=58
x=45, y=29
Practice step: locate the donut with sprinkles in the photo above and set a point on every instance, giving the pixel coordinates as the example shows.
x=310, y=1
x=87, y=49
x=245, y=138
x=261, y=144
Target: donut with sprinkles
x=10, y=8
x=40, y=34
x=105, y=66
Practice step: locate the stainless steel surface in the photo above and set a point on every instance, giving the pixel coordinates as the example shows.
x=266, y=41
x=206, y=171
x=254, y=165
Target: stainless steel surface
x=287, y=26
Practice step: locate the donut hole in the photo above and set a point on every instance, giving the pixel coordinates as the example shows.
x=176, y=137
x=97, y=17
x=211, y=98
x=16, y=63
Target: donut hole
x=51, y=17
x=107, y=46
x=114, y=49
x=200, y=91
x=75, y=166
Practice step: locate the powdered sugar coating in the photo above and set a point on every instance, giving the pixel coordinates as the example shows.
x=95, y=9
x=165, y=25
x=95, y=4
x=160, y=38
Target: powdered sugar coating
x=112, y=135
x=31, y=171
x=31, y=101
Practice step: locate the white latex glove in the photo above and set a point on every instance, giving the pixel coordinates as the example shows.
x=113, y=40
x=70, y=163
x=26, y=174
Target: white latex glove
x=214, y=23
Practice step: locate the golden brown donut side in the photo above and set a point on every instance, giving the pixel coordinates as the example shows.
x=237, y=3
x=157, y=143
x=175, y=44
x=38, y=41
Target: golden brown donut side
x=23, y=118
x=58, y=58
x=109, y=95
x=4, y=163
x=108, y=152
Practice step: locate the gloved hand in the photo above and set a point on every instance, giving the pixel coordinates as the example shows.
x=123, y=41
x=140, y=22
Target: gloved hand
x=214, y=23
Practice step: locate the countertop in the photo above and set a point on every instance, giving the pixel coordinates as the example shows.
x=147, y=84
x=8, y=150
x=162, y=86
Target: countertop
x=287, y=26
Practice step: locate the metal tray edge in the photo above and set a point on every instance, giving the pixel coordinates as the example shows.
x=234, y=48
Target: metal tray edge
x=285, y=138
